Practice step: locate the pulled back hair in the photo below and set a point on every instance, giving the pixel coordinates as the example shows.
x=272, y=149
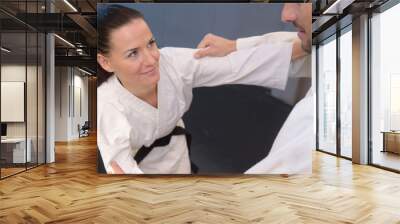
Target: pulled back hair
x=109, y=19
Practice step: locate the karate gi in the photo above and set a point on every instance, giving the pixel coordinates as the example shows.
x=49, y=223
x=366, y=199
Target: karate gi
x=126, y=123
x=291, y=152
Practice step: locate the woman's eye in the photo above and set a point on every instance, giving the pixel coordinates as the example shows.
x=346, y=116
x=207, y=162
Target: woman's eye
x=132, y=54
x=152, y=43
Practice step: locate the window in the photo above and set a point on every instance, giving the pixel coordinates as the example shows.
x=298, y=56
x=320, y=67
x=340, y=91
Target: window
x=327, y=96
x=385, y=89
x=346, y=75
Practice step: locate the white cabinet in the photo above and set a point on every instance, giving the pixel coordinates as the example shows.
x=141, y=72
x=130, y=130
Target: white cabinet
x=17, y=145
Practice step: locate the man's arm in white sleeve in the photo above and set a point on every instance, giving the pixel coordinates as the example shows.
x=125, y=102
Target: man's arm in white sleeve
x=299, y=68
x=270, y=38
x=264, y=65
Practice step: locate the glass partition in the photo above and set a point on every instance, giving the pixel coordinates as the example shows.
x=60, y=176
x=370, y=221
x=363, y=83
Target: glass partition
x=14, y=153
x=22, y=87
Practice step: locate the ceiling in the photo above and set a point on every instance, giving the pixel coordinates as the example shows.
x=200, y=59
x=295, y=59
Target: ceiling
x=331, y=15
x=77, y=24
x=18, y=18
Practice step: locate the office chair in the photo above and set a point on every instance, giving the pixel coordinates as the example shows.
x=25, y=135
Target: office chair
x=84, y=130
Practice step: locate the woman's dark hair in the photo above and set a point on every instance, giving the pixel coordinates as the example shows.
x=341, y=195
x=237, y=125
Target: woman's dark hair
x=109, y=19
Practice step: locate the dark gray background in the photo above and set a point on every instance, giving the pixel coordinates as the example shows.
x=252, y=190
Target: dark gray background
x=184, y=24
x=233, y=127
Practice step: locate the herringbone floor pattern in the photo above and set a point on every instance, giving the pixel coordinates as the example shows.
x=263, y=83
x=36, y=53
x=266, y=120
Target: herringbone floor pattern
x=70, y=191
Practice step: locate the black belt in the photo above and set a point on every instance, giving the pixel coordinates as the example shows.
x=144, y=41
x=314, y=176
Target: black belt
x=144, y=151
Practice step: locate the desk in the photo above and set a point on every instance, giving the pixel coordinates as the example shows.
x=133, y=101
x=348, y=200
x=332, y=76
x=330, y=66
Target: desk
x=13, y=150
x=391, y=141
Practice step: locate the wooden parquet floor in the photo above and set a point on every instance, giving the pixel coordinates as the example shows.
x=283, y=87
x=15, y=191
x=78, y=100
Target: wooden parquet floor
x=70, y=191
x=10, y=171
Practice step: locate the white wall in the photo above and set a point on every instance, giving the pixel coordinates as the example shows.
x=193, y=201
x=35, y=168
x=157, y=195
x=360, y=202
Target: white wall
x=68, y=83
x=61, y=103
x=79, y=117
x=33, y=127
x=12, y=73
x=15, y=72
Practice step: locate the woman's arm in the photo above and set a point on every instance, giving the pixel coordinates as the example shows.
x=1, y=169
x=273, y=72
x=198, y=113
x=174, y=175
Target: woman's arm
x=114, y=141
x=116, y=168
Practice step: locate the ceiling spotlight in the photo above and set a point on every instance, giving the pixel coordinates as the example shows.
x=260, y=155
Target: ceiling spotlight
x=337, y=7
x=65, y=41
x=70, y=5
x=86, y=72
x=5, y=50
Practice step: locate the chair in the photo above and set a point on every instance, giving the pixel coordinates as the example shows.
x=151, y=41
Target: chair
x=84, y=130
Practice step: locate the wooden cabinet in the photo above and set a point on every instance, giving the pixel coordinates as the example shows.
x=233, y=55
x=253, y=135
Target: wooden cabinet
x=391, y=142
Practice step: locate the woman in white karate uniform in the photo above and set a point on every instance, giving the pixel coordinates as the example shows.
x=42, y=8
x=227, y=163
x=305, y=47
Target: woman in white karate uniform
x=142, y=101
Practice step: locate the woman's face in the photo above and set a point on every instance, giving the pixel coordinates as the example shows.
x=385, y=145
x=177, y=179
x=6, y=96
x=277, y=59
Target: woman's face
x=133, y=55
